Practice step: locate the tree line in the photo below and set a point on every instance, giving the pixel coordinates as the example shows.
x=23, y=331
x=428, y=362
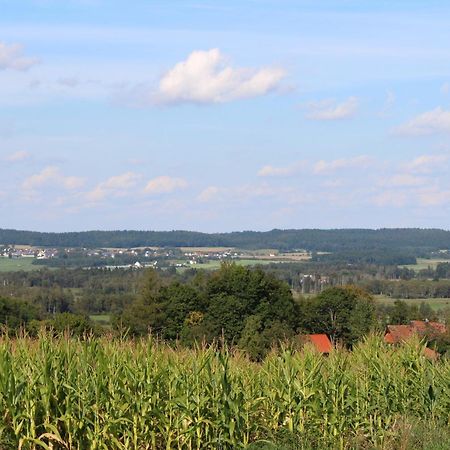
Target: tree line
x=406, y=242
x=245, y=307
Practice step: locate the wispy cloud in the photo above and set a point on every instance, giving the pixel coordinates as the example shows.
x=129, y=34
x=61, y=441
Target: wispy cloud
x=390, y=198
x=208, y=194
x=51, y=176
x=323, y=166
x=165, y=185
x=434, y=196
x=18, y=156
x=12, y=57
x=403, y=180
x=329, y=109
x=272, y=171
x=430, y=122
x=388, y=104
x=117, y=185
x=427, y=163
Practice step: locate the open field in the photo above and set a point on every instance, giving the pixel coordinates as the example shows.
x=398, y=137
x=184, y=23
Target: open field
x=104, y=320
x=423, y=263
x=118, y=394
x=435, y=303
x=206, y=249
x=215, y=264
x=14, y=265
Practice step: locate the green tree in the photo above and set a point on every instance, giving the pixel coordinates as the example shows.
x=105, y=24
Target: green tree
x=15, y=313
x=147, y=312
x=247, y=299
x=75, y=324
x=343, y=313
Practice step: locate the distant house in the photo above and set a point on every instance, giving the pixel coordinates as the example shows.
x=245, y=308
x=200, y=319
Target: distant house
x=396, y=334
x=321, y=342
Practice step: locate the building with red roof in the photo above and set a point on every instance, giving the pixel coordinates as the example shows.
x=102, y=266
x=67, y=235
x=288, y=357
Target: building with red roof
x=400, y=333
x=396, y=334
x=321, y=342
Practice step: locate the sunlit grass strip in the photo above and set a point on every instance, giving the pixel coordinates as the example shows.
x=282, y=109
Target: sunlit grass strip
x=119, y=394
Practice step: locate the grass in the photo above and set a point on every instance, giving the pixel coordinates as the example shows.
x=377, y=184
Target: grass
x=105, y=393
x=436, y=303
x=15, y=265
x=101, y=319
x=423, y=263
x=215, y=264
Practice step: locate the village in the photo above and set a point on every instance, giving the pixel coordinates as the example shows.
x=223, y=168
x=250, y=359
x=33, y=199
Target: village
x=121, y=257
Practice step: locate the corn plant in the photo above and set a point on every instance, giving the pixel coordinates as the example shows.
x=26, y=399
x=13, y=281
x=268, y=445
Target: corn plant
x=104, y=393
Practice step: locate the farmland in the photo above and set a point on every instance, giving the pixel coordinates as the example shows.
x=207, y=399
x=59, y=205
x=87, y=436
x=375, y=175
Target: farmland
x=117, y=394
x=424, y=263
x=16, y=264
x=214, y=265
x=435, y=303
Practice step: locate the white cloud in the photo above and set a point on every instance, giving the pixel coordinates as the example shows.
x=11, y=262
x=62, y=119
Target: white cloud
x=430, y=122
x=69, y=82
x=403, y=180
x=426, y=163
x=11, y=57
x=243, y=193
x=330, y=110
x=208, y=194
x=49, y=176
x=434, y=197
x=388, y=104
x=271, y=171
x=207, y=77
x=323, y=166
x=17, y=156
x=390, y=198
x=117, y=185
x=165, y=185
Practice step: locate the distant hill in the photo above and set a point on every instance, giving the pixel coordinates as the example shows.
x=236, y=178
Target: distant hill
x=408, y=240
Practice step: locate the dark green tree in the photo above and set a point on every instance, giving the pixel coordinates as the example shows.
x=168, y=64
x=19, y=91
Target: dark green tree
x=345, y=314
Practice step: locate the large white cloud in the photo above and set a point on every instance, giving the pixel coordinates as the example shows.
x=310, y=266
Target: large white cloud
x=207, y=77
x=11, y=57
x=430, y=122
x=330, y=110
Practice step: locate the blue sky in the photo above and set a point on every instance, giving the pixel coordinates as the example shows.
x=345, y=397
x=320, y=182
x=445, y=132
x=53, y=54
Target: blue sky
x=224, y=115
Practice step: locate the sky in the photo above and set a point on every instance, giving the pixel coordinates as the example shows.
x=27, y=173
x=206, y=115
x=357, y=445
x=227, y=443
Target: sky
x=224, y=115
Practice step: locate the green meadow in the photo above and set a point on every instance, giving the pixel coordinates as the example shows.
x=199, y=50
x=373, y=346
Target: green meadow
x=14, y=265
x=435, y=303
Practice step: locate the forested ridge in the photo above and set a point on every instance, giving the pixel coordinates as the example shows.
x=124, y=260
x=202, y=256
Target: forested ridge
x=408, y=241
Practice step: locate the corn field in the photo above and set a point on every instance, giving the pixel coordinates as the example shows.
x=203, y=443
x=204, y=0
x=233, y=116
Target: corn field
x=120, y=394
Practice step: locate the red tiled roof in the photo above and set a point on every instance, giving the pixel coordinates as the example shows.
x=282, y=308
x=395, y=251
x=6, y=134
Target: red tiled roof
x=321, y=342
x=423, y=326
x=398, y=333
